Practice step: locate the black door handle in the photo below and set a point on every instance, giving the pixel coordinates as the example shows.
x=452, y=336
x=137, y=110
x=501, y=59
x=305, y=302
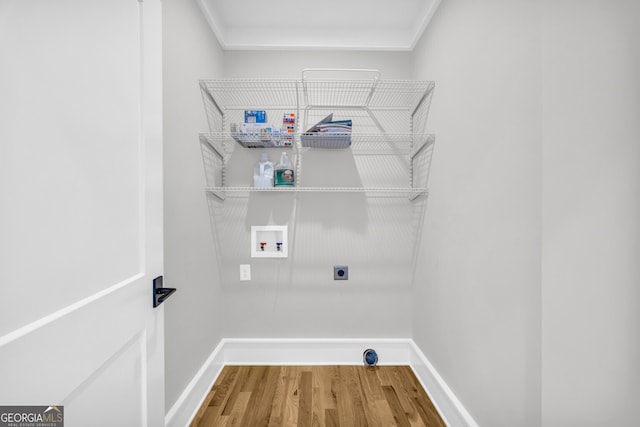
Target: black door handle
x=160, y=294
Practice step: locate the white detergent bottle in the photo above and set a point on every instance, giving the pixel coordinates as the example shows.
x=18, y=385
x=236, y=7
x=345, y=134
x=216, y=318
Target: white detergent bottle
x=284, y=172
x=263, y=172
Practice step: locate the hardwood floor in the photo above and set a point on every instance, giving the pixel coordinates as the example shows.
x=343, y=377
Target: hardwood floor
x=317, y=396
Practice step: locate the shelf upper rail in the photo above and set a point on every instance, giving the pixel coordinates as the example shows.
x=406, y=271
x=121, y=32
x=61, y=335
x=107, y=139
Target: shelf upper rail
x=311, y=93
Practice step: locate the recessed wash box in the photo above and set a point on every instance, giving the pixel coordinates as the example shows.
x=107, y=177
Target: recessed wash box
x=269, y=241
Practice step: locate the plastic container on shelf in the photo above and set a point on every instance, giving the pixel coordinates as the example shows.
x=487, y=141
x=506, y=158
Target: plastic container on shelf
x=284, y=172
x=263, y=172
x=288, y=129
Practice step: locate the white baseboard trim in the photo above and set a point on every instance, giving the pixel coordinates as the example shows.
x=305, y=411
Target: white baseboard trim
x=448, y=405
x=394, y=351
x=314, y=351
x=187, y=405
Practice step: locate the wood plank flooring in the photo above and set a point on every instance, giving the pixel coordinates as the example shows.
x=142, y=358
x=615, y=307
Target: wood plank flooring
x=317, y=396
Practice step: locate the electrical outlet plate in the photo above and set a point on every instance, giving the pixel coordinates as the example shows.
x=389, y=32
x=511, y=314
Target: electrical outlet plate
x=340, y=272
x=245, y=272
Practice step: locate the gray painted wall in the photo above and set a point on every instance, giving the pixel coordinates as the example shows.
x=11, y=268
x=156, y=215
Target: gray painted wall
x=529, y=299
x=590, y=213
x=476, y=299
x=289, y=64
x=193, y=319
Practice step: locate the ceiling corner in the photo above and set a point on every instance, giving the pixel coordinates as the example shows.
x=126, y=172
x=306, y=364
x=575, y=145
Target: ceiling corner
x=374, y=25
x=424, y=23
x=216, y=26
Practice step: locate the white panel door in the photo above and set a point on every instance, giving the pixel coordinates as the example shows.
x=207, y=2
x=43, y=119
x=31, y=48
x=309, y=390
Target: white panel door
x=81, y=209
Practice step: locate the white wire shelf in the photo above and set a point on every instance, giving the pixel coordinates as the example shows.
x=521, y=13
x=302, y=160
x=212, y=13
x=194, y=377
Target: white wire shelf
x=369, y=142
x=380, y=105
x=408, y=193
x=385, y=94
x=249, y=94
